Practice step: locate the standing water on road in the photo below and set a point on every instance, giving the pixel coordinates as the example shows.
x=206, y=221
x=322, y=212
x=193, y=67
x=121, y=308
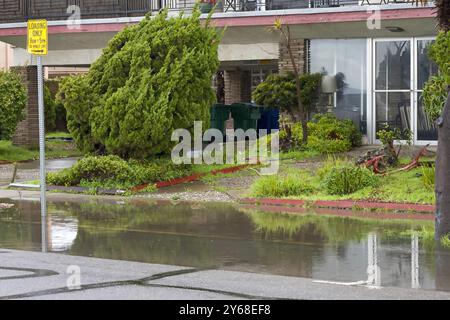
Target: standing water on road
x=399, y=253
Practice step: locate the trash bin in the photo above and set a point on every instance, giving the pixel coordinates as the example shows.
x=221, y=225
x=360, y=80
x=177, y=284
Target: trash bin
x=245, y=115
x=219, y=114
x=270, y=119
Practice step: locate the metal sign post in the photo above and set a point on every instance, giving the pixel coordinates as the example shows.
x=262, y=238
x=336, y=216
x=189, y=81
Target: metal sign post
x=38, y=46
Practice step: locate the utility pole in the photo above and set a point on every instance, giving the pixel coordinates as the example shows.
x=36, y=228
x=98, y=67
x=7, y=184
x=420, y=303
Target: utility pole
x=37, y=45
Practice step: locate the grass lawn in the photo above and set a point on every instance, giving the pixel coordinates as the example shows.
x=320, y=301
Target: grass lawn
x=59, y=134
x=406, y=187
x=54, y=149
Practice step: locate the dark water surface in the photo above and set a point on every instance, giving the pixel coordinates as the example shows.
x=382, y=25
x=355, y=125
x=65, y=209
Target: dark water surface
x=397, y=253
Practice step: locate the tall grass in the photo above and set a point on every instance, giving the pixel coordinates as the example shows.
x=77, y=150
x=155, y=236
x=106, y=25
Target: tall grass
x=428, y=177
x=295, y=183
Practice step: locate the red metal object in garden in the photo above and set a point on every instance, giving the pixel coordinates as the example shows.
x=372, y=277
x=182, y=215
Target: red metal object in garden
x=375, y=162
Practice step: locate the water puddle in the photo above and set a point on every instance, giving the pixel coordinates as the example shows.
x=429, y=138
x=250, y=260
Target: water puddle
x=348, y=250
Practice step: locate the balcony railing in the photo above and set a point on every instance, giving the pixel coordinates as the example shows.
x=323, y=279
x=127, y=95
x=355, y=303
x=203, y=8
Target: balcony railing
x=22, y=10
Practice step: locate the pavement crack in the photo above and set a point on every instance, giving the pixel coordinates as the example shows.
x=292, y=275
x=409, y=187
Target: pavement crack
x=35, y=273
x=170, y=274
x=138, y=282
x=228, y=293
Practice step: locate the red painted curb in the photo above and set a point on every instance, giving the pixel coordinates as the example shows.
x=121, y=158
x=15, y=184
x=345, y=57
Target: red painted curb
x=342, y=204
x=193, y=177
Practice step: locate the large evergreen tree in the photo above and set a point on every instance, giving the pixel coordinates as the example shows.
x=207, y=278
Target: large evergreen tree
x=151, y=79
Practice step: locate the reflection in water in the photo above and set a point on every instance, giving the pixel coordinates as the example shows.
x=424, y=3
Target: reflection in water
x=332, y=248
x=415, y=261
x=373, y=270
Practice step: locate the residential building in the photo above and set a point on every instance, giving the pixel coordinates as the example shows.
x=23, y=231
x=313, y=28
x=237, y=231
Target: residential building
x=376, y=52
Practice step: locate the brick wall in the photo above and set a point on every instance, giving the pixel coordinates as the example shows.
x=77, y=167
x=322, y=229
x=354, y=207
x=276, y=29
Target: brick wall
x=237, y=86
x=299, y=49
x=27, y=132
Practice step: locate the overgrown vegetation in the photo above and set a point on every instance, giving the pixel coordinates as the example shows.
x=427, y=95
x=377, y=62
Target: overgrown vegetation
x=347, y=179
x=114, y=172
x=404, y=186
x=152, y=78
x=293, y=184
x=327, y=134
x=13, y=100
x=428, y=177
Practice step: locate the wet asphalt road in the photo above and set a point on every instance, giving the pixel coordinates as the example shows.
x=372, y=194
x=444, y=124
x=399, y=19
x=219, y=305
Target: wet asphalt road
x=35, y=275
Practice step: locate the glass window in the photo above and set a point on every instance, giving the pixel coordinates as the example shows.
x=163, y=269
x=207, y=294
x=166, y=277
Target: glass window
x=393, y=109
x=346, y=60
x=425, y=66
x=393, y=65
x=426, y=129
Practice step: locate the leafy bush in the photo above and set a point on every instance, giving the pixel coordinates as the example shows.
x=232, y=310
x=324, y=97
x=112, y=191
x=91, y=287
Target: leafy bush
x=152, y=78
x=279, y=91
x=434, y=96
x=329, y=134
x=435, y=90
x=346, y=179
x=440, y=51
x=78, y=100
x=293, y=184
x=13, y=100
x=388, y=136
x=50, y=110
x=114, y=172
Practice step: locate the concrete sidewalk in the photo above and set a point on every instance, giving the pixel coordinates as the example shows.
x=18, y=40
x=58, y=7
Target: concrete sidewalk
x=35, y=275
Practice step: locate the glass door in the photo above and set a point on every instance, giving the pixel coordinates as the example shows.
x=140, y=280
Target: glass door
x=426, y=131
x=392, y=83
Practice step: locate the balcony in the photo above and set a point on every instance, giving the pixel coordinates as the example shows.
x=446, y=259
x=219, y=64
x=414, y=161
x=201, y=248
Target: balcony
x=22, y=10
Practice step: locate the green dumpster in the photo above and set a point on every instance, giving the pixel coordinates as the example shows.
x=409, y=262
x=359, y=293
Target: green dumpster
x=245, y=115
x=219, y=114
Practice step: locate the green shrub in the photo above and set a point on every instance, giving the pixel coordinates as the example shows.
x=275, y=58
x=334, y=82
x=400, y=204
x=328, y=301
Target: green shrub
x=331, y=163
x=346, y=179
x=50, y=110
x=435, y=90
x=280, y=91
x=114, y=172
x=328, y=134
x=153, y=78
x=440, y=51
x=428, y=177
x=434, y=96
x=13, y=100
x=293, y=184
x=76, y=96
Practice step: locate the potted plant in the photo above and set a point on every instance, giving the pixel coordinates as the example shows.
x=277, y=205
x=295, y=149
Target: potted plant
x=207, y=5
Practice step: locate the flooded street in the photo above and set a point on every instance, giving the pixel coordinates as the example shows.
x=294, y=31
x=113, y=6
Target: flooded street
x=353, y=250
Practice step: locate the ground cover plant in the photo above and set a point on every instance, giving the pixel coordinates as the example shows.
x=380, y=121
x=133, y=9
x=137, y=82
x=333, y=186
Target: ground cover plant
x=328, y=182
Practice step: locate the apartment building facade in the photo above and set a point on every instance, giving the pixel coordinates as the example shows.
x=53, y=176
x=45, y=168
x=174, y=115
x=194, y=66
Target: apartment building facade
x=376, y=52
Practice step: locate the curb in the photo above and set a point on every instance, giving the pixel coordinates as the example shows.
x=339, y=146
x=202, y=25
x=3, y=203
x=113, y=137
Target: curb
x=341, y=204
x=193, y=177
x=159, y=184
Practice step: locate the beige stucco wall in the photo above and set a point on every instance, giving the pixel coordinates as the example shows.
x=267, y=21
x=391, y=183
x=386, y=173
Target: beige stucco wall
x=6, y=56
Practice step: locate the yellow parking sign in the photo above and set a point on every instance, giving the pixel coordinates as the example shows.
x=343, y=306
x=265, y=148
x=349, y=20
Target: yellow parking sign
x=37, y=37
